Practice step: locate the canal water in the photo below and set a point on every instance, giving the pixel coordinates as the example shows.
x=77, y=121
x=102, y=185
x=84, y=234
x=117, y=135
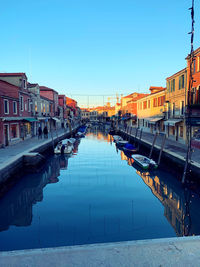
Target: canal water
x=94, y=196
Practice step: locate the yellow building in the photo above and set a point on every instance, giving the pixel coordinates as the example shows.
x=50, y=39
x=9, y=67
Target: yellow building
x=150, y=110
x=175, y=105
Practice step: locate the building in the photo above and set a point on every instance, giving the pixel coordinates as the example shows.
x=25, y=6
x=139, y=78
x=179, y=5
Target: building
x=194, y=94
x=19, y=80
x=175, y=105
x=150, y=110
x=9, y=114
x=85, y=114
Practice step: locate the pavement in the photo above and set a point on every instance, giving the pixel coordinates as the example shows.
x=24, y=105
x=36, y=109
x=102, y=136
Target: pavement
x=182, y=251
x=10, y=152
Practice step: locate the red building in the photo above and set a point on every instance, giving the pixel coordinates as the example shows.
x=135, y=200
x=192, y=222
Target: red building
x=72, y=104
x=16, y=101
x=9, y=113
x=62, y=103
x=52, y=95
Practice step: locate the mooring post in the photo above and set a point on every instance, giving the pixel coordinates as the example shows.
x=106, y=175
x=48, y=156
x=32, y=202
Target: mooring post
x=162, y=147
x=141, y=131
x=153, y=143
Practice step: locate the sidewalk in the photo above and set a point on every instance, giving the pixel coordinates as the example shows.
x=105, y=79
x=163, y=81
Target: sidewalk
x=14, y=150
x=170, y=145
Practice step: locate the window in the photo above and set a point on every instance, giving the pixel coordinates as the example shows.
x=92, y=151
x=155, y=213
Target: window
x=182, y=108
x=21, y=103
x=24, y=84
x=198, y=61
x=168, y=86
x=182, y=81
x=155, y=104
x=36, y=106
x=6, y=106
x=14, y=107
x=145, y=105
x=173, y=111
x=173, y=85
x=149, y=103
x=29, y=105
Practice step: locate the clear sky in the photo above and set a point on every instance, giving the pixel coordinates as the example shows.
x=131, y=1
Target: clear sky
x=96, y=47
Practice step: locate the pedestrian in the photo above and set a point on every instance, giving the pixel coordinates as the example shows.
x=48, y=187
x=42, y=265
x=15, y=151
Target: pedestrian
x=39, y=132
x=45, y=131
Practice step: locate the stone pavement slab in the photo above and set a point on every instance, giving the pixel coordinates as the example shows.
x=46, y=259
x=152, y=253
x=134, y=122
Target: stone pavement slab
x=182, y=251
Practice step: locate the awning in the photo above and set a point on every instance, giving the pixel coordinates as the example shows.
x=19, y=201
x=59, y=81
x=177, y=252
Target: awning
x=12, y=118
x=154, y=120
x=55, y=119
x=30, y=119
x=172, y=122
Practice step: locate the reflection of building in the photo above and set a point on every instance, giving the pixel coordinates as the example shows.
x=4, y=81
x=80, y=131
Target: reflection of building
x=180, y=209
x=16, y=206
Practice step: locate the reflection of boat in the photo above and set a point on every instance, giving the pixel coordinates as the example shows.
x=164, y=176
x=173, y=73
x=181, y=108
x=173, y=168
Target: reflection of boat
x=64, y=147
x=144, y=162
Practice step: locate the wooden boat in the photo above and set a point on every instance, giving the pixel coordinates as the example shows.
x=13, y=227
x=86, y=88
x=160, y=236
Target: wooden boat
x=144, y=162
x=130, y=148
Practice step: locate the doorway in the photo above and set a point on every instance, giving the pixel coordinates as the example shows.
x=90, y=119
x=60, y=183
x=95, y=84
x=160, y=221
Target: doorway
x=6, y=135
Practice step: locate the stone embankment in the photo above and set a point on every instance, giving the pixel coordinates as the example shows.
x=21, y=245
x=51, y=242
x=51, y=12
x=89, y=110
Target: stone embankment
x=173, y=152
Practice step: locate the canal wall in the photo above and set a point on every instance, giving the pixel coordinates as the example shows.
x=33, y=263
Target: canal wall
x=168, y=158
x=182, y=251
x=11, y=167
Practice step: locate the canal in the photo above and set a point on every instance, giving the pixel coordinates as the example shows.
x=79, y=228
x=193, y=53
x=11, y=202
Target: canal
x=94, y=196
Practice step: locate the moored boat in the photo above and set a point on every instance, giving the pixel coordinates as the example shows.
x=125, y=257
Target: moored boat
x=144, y=162
x=130, y=148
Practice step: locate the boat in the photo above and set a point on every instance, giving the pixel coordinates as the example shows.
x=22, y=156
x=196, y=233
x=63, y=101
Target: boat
x=130, y=148
x=117, y=138
x=64, y=147
x=144, y=162
x=121, y=142
x=79, y=134
x=72, y=140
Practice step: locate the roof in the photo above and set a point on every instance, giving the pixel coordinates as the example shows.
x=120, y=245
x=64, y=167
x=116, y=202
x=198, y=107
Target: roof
x=156, y=87
x=31, y=85
x=9, y=90
x=44, y=88
x=195, y=52
x=5, y=74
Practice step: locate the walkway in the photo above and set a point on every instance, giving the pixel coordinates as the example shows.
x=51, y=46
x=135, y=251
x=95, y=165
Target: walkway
x=14, y=150
x=176, y=252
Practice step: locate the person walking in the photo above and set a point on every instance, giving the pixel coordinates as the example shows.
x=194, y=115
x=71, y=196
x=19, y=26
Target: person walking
x=45, y=131
x=39, y=132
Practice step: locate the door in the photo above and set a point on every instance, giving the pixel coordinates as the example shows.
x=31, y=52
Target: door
x=6, y=135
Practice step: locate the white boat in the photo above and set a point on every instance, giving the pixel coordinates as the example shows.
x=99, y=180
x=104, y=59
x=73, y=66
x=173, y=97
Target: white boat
x=144, y=162
x=79, y=134
x=73, y=140
x=117, y=138
x=64, y=147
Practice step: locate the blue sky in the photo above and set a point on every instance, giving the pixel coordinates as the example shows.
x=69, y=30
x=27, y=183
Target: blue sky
x=96, y=47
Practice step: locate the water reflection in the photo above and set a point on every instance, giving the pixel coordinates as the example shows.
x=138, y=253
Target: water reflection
x=16, y=206
x=97, y=196
x=180, y=203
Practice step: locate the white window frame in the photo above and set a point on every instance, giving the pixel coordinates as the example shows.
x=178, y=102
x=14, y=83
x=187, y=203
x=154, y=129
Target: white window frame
x=15, y=104
x=6, y=101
